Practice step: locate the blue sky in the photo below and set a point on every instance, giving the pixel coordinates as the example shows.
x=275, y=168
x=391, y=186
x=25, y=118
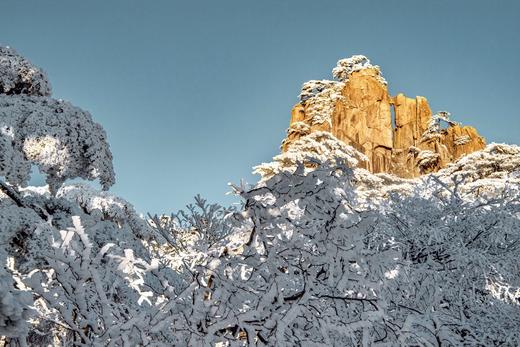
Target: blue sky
x=193, y=94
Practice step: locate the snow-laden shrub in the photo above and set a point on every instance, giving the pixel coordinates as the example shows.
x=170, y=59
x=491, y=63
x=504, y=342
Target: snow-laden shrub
x=319, y=99
x=305, y=275
x=435, y=126
x=497, y=160
x=427, y=160
x=457, y=282
x=315, y=149
x=93, y=276
x=200, y=226
x=309, y=265
x=106, y=206
x=19, y=76
x=430, y=268
x=60, y=139
x=14, y=305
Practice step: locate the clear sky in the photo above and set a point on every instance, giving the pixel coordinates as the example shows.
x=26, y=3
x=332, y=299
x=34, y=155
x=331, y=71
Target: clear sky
x=194, y=93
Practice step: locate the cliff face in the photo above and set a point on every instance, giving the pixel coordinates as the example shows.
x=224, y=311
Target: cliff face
x=357, y=110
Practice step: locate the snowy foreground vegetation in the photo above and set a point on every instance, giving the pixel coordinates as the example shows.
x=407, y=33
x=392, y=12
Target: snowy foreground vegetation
x=321, y=253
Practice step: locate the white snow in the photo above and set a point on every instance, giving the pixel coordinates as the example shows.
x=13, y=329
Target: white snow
x=345, y=67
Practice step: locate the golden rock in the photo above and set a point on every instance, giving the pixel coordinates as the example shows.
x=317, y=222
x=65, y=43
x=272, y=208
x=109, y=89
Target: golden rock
x=408, y=144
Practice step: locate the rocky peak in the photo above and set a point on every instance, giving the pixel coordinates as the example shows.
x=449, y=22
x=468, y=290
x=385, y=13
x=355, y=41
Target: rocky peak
x=357, y=109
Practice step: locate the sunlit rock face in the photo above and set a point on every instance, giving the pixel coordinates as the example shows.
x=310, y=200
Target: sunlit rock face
x=357, y=109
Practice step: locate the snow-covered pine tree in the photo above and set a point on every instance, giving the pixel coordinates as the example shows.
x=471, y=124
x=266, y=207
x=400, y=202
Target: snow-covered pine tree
x=61, y=140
